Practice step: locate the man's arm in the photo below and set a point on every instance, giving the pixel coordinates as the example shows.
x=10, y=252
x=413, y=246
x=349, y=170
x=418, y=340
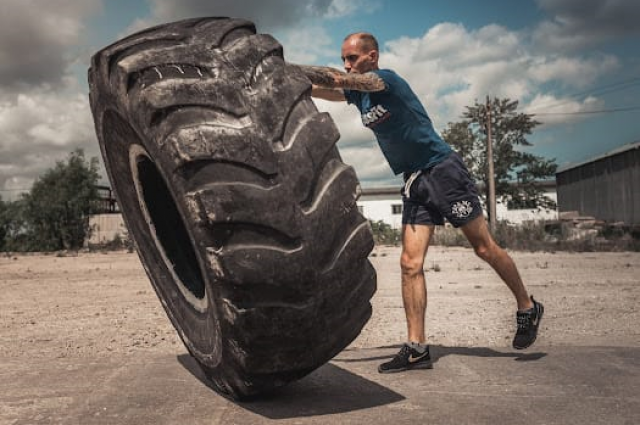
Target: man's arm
x=335, y=95
x=329, y=82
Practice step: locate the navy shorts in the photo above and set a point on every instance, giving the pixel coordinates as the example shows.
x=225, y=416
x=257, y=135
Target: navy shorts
x=444, y=191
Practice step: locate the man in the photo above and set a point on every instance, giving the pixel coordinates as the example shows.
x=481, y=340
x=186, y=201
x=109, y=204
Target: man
x=437, y=187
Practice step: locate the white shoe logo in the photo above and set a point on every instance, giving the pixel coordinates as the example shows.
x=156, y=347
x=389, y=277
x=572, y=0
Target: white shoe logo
x=415, y=359
x=535, y=321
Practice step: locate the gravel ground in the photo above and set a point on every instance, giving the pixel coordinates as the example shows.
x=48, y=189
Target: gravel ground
x=101, y=304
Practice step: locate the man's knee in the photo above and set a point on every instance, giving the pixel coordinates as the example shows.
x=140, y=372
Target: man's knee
x=481, y=250
x=410, y=266
x=488, y=252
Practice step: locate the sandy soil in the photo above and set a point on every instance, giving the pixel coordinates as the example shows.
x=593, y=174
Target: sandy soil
x=96, y=305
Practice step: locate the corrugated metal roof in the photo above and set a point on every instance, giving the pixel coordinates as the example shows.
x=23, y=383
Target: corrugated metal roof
x=619, y=150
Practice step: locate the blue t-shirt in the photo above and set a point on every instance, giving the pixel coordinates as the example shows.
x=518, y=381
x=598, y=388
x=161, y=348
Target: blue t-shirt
x=401, y=124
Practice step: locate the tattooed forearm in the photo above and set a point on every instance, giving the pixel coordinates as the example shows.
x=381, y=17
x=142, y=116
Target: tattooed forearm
x=324, y=76
x=362, y=82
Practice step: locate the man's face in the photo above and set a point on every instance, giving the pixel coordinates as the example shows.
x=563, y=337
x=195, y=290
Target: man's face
x=356, y=58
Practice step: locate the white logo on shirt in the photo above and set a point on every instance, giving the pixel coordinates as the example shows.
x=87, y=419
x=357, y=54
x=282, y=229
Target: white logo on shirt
x=375, y=116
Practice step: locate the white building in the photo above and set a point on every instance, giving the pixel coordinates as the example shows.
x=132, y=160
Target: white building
x=105, y=228
x=376, y=204
x=385, y=204
x=382, y=204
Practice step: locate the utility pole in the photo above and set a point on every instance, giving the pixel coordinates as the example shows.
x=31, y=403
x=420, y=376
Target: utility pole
x=490, y=171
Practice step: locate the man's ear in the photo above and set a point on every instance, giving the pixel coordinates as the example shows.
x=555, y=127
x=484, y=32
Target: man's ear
x=374, y=55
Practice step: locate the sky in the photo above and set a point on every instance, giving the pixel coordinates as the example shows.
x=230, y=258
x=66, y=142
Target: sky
x=574, y=64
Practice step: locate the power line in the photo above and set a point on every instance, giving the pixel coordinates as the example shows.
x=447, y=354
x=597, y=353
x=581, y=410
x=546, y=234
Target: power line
x=609, y=87
x=605, y=89
x=600, y=111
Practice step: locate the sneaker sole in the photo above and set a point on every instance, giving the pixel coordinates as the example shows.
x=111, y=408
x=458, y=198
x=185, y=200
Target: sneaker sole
x=541, y=313
x=423, y=365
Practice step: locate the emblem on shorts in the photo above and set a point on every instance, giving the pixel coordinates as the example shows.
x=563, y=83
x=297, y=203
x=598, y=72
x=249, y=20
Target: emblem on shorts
x=462, y=209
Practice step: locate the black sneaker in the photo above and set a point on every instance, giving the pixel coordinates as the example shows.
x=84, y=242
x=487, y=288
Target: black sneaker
x=407, y=358
x=528, y=322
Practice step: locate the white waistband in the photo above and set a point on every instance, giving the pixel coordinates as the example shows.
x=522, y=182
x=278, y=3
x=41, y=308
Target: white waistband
x=409, y=182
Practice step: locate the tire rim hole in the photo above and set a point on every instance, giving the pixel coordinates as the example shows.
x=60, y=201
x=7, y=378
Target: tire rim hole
x=169, y=228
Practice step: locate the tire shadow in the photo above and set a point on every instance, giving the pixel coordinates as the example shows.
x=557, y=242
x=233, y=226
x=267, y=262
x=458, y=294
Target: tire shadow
x=326, y=391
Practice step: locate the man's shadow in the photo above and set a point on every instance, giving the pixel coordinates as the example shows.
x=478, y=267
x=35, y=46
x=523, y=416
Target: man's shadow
x=328, y=390
x=439, y=351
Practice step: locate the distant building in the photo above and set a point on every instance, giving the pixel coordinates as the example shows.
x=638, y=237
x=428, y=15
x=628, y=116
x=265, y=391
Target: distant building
x=385, y=204
x=105, y=228
x=531, y=213
x=106, y=222
x=376, y=204
x=106, y=203
x=382, y=204
x=606, y=187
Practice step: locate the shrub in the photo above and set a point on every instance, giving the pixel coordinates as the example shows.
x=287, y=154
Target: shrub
x=384, y=234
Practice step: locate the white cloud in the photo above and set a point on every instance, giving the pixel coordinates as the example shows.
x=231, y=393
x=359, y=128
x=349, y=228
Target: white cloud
x=268, y=16
x=576, y=72
x=40, y=128
x=370, y=165
x=305, y=45
x=44, y=111
x=551, y=110
x=294, y=23
x=443, y=41
x=43, y=115
x=45, y=118
x=357, y=144
x=340, y=8
x=451, y=67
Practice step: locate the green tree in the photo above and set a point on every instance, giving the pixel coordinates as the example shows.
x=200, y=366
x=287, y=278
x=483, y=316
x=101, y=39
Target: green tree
x=3, y=224
x=57, y=208
x=13, y=228
x=509, y=131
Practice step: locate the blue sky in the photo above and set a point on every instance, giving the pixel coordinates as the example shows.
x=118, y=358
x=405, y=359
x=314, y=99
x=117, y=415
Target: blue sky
x=567, y=58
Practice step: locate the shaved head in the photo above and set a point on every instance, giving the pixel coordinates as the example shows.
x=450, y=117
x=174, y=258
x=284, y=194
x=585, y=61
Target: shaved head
x=360, y=53
x=367, y=41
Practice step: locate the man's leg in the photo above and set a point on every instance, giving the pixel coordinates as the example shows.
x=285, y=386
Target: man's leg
x=529, y=311
x=477, y=232
x=415, y=242
x=414, y=354
x=454, y=191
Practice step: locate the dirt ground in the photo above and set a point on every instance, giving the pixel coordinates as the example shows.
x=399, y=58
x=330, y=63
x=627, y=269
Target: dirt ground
x=102, y=304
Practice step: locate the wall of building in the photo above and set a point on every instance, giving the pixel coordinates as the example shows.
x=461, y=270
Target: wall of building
x=385, y=204
x=607, y=188
x=106, y=227
x=519, y=216
x=386, y=210
x=376, y=204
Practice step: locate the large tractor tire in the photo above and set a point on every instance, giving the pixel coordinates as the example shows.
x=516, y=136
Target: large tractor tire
x=243, y=213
